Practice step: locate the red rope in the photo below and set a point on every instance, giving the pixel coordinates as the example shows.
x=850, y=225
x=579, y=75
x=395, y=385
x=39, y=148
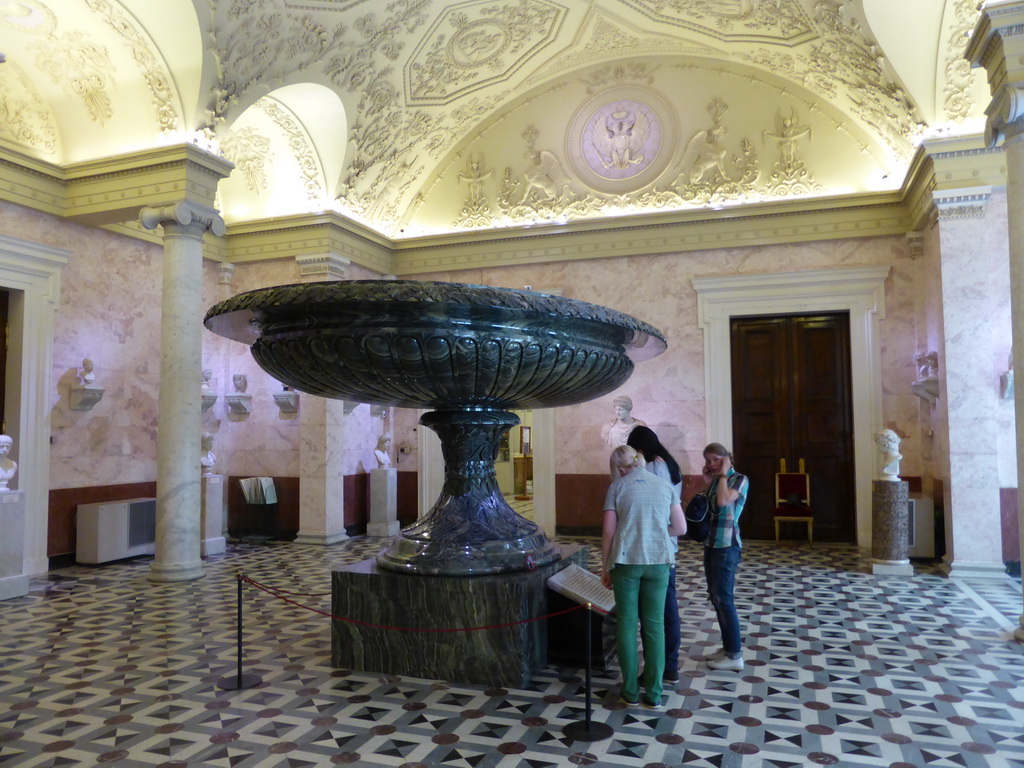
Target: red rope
x=271, y=591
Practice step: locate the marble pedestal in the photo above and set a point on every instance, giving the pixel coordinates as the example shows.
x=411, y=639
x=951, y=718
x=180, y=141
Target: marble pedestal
x=507, y=656
x=383, y=502
x=13, y=582
x=890, y=528
x=212, y=504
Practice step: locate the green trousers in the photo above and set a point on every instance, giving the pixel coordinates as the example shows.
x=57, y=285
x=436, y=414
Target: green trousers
x=640, y=589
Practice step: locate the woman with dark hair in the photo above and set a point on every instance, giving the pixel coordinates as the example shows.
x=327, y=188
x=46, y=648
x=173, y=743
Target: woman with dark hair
x=660, y=463
x=727, y=493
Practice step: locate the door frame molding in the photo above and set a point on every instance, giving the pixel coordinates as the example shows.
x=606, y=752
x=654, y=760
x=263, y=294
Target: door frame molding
x=857, y=290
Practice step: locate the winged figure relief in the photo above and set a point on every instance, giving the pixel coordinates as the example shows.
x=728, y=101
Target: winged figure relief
x=621, y=142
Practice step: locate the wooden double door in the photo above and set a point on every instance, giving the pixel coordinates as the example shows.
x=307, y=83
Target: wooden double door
x=791, y=399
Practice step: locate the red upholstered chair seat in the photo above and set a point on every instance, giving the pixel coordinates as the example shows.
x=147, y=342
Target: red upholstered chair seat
x=793, y=499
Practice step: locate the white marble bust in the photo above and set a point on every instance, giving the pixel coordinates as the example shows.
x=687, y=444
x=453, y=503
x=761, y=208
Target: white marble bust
x=616, y=431
x=207, y=458
x=888, y=444
x=8, y=468
x=383, y=451
x=241, y=382
x=88, y=375
x=207, y=375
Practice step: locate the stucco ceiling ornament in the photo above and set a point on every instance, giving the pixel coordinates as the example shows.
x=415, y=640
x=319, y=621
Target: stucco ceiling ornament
x=476, y=211
x=25, y=118
x=770, y=20
x=959, y=75
x=473, y=45
x=300, y=146
x=249, y=151
x=157, y=79
x=624, y=73
x=789, y=176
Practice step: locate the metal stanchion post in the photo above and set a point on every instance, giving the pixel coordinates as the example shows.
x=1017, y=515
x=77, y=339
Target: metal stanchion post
x=239, y=681
x=587, y=730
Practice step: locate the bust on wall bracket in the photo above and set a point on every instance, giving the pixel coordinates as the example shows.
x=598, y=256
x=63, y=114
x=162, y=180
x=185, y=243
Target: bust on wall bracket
x=88, y=392
x=287, y=401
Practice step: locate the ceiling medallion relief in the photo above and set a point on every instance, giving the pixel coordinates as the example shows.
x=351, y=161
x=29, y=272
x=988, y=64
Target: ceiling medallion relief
x=621, y=140
x=477, y=44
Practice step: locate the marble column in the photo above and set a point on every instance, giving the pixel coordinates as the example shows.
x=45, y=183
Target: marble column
x=997, y=43
x=178, y=516
x=967, y=397
x=321, y=439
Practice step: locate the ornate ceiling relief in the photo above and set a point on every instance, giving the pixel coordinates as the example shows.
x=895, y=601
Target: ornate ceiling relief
x=789, y=174
x=959, y=75
x=765, y=20
x=299, y=144
x=843, y=63
x=473, y=45
x=70, y=60
x=156, y=77
x=476, y=212
x=25, y=119
x=249, y=151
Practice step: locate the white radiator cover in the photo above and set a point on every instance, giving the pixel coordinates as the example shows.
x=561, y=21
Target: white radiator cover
x=113, y=530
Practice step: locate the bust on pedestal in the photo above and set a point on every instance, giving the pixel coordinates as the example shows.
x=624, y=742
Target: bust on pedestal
x=890, y=535
x=13, y=582
x=88, y=393
x=616, y=431
x=383, y=492
x=211, y=502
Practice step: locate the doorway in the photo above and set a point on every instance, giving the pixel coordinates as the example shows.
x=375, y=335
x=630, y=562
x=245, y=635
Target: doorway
x=791, y=399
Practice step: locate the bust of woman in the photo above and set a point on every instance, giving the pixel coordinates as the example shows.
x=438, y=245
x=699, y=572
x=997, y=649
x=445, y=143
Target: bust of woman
x=383, y=451
x=616, y=431
x=7, y=467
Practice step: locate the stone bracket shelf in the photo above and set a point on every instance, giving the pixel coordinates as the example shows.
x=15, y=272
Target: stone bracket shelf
x=926, y=389
x=287, y=401
x=85, y=397
x=208, y=401
x=239, y=402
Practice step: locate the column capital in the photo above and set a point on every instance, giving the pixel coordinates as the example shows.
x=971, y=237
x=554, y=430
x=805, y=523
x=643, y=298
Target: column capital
x=997, y=44
x=184, y=214
x=961, y=203
x=322, y=265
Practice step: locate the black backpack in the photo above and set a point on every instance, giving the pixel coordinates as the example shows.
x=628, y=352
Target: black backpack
x=698, y=517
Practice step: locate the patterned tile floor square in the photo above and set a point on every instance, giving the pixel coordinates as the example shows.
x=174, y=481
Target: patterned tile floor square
x=100, y=666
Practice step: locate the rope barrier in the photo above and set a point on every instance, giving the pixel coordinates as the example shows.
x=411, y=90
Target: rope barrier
x=273, y=592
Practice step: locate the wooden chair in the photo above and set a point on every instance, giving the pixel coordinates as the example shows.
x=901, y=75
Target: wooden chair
x=793, y=499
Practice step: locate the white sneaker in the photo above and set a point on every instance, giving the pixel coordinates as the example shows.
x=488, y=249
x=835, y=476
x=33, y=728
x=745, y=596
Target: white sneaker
x=716, y=656
x=730, y=665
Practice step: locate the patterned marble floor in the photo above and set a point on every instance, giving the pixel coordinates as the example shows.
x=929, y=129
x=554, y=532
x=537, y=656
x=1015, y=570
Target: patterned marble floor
x=99, y=667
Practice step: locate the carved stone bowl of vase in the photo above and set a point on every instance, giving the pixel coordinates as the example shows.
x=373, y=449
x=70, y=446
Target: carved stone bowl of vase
x=472, y=354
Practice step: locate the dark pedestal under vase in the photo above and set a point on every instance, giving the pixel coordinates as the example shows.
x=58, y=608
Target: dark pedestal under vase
x=507, y=656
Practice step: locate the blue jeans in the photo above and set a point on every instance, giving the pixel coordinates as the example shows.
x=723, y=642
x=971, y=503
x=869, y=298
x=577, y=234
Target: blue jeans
x=720, y=566
x=640, y=591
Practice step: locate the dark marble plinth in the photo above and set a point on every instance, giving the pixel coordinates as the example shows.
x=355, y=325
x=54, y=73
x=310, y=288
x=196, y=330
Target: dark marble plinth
x=890, y=528
x=507, y=656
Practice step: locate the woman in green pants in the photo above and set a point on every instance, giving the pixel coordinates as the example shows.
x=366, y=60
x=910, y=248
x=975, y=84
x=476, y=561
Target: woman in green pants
x=642, y=517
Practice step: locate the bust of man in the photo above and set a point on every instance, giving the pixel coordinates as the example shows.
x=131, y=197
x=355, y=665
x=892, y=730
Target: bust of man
x=88, y=375
x=7, y=467
x=888, y=444
x=383, y=451
x=241, y=382
x=616, y=431
x=207, y=375
x=207, y=458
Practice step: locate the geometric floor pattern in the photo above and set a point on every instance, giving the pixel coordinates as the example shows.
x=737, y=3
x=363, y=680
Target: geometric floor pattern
x=98, y=666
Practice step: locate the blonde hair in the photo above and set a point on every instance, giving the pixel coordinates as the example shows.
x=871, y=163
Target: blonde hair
x=625, y=456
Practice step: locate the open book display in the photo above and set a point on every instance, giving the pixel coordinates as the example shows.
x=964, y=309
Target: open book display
x=581, y=585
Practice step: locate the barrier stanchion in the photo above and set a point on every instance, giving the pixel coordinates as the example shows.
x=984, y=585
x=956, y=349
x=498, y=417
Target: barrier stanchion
x=239, y=680
x=588, y=730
